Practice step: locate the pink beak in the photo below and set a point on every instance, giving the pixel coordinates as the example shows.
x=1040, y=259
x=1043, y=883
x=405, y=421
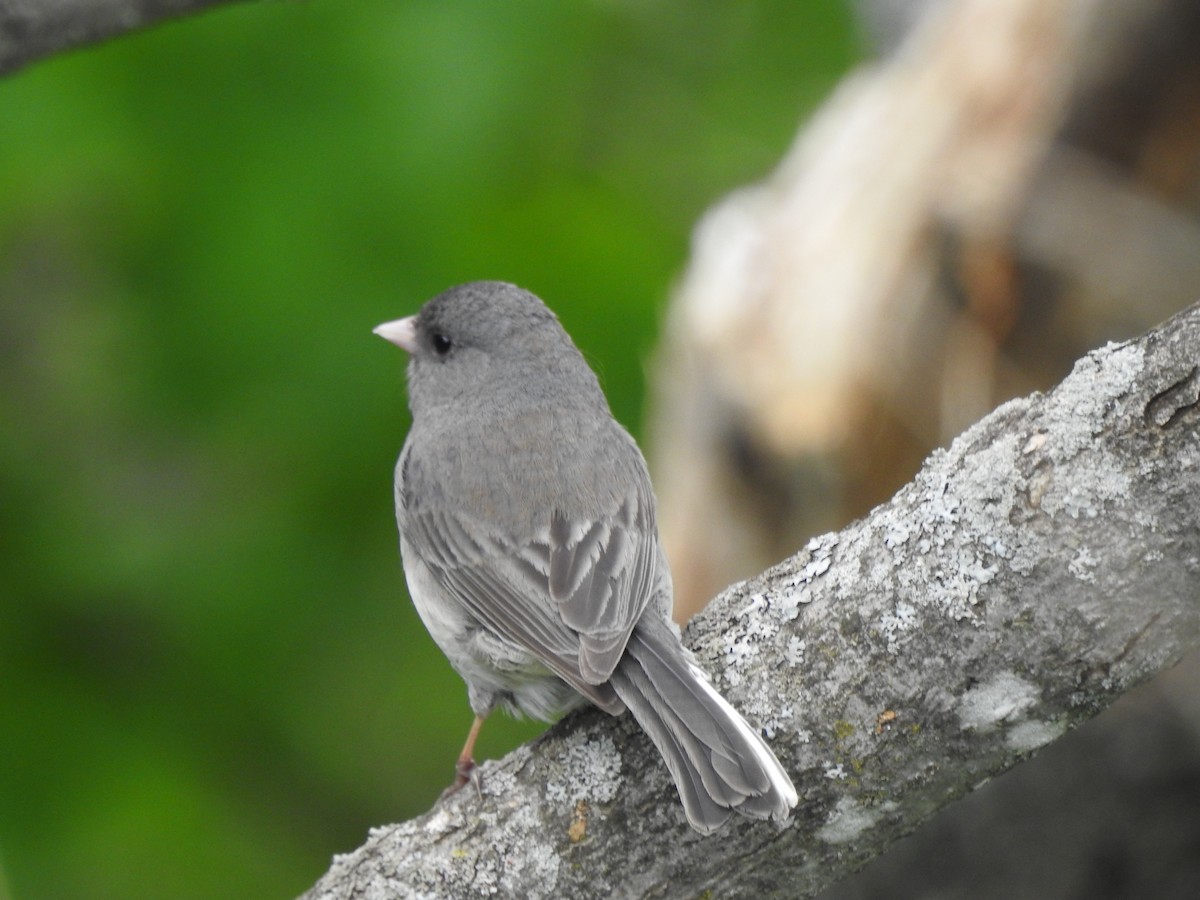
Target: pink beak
x=401, y=332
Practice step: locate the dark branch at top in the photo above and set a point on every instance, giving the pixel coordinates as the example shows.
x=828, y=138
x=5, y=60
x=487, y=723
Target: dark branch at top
x=34, y=29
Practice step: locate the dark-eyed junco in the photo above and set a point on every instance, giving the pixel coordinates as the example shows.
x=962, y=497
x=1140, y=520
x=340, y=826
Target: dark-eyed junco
x=527, y=530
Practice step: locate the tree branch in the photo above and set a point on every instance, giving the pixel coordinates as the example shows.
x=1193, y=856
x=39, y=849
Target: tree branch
x=33, y=29
x=1044, y=564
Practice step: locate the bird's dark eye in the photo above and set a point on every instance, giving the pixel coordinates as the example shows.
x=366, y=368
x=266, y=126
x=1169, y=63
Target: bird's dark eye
x=441, y=343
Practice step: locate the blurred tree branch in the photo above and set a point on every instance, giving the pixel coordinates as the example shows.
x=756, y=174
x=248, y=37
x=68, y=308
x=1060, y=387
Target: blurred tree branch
x=1040, y=567
x=34, y=29
x=1013, y=184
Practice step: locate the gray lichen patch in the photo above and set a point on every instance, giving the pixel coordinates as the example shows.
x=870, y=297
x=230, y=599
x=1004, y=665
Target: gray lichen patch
x=591, y=770
x=847, y=821
x=1025, y=737
x=1083, y=565
x=510, y=865
x=1002, y=698
x=949, y=534
x=1080, y=474
x=1089, y=396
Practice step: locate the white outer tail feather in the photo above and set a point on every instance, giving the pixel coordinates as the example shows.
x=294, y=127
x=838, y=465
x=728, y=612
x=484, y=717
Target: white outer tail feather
x=779, y=778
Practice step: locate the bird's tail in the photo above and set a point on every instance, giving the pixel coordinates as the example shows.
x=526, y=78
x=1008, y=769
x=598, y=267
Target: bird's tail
x=719, y=763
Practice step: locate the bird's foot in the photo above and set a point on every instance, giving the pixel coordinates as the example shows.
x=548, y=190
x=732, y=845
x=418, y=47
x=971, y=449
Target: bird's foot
x=465, y=772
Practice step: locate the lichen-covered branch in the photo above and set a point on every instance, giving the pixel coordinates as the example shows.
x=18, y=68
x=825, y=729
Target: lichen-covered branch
x=1045, y=563
x=33, y=29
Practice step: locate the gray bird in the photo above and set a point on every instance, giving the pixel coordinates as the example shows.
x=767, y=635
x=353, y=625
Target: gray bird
x=527, y=531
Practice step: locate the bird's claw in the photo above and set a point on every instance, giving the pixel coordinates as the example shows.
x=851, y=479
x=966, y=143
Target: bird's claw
x=465, y=771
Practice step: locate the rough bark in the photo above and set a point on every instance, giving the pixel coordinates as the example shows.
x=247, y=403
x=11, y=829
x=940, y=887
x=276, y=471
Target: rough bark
x=1044, y=564
x=33, y=29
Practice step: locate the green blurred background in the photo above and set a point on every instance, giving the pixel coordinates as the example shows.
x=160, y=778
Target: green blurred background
x=210, y=677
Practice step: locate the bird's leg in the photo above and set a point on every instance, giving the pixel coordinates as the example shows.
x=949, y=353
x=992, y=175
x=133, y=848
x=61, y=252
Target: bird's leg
x=464, y=767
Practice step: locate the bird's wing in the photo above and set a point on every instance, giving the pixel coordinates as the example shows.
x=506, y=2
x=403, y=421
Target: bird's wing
x=602, y=575
x=571, y=595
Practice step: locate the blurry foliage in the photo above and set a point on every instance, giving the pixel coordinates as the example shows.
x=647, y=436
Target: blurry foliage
x=210, y=679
